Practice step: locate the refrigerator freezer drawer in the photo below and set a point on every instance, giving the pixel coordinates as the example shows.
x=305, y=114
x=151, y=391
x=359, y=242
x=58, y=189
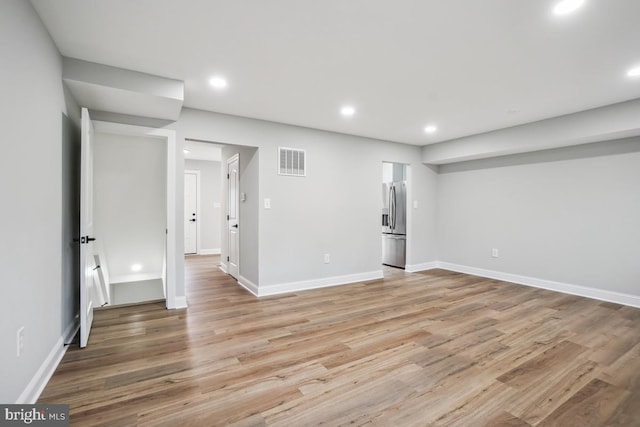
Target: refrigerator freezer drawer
x=393, y=250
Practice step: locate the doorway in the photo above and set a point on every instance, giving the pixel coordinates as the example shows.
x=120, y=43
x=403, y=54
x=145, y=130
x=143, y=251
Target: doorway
x=394, y=218
x=138, y=239
x=130, y=215
x=191, y=212
x=203, y=192
x=234, y=207
x=97, y=197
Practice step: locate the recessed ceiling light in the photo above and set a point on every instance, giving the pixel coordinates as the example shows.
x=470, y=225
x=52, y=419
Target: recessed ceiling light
x=218, y=82
x=634, y=72
x=347, y=110
x=565, y=7
x=430, y=129
x=185, y=151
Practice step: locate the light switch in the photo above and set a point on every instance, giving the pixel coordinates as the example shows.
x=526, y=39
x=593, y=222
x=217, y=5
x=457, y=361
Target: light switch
x=415, y=204
x=267, y=203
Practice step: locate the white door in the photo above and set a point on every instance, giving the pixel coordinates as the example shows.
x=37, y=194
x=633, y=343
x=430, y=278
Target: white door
x=87, y=262
x=190, y=213
x=233, y=217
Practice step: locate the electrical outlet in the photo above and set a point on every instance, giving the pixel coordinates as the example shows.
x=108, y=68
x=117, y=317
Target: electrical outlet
x=494, y=253
x=327, y=258
x=20, y=341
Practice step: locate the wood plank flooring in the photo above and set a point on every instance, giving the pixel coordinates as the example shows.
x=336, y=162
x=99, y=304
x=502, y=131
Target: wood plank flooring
x=425, y=349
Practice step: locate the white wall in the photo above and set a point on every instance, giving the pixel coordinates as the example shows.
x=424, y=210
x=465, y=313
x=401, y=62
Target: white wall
x=334, y=210
x=568, y=215
x=130, y=204
x=210, y=203
x=37, y=255
x=573, y=220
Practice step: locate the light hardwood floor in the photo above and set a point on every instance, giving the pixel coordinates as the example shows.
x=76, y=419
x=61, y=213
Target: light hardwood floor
x=430, y=348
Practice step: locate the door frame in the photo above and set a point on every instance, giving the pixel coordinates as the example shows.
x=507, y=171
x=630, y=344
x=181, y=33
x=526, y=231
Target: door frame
x=198, y=240
x=172, y=301
x=228, y=161
x=409, y=210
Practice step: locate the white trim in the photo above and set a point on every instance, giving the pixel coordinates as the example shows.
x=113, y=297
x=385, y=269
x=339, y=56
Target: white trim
x=223, y=267
x=318, y=283
x=179, y=302
x=42, y=376
x=215, y=251
x=409, y=213
x=172, y=260
x=170, y=137
x=164, y=273
x=421, y=267
x=583, y=291
x=248, y=285
x=197, y=174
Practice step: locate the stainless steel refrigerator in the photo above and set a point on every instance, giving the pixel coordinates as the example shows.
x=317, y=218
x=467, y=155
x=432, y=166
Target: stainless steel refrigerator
x=394, y=223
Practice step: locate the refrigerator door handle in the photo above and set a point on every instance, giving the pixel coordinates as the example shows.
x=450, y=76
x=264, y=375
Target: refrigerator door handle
x=390, y=209
x=392, y=201
x=390, y=220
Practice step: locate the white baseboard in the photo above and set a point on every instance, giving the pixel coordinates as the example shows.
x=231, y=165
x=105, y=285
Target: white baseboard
x=421, y=267
x=583, y=291
x=42, y=376
x=566, y=288
x=209, y=251
x=318, y=283
x=223, y=267
x=179, y=302
x=248, y=285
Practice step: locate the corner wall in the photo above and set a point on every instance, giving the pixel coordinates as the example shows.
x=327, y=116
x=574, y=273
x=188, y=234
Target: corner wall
x=569, y=216
x=335, y=209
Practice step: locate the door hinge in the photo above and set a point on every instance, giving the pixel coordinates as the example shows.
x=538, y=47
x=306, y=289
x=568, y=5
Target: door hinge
x=227, y=176
x=227, y=217
x=227, y=259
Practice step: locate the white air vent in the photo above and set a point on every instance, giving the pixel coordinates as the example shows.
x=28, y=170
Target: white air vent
x=291, y=162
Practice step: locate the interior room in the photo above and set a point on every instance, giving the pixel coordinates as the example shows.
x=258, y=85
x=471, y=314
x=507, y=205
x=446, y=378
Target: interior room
x=302, y=213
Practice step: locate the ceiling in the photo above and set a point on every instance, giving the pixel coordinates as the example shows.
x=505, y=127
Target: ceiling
x=466, y=66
